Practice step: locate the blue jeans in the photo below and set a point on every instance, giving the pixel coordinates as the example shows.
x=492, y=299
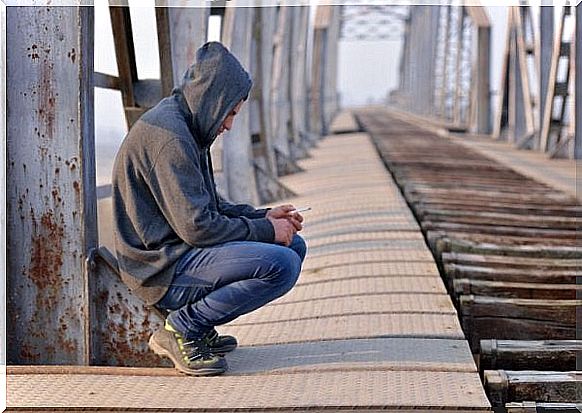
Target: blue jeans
x=215, y=285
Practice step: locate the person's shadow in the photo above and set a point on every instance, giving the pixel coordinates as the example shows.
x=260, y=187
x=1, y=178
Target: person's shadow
x=377, y=353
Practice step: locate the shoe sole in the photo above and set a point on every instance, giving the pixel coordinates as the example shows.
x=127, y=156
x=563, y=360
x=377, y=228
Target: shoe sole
x=162, y=352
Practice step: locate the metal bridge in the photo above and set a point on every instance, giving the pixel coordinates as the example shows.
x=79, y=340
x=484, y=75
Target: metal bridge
x=443, y=261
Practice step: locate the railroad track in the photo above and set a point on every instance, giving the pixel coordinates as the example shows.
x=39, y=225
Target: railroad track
x=507, y=249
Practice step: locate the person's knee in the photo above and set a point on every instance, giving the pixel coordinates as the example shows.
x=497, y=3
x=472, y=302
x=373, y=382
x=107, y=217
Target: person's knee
x=299, y=246
x=286, y=266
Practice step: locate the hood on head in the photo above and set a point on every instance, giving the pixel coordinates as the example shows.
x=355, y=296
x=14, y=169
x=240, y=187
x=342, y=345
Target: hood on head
x=212, y=87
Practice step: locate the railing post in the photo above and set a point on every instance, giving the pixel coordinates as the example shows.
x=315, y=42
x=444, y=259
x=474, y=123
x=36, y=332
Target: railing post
x=188, y=27
x=3, y=205
x=544, y=62
x=483, y=72
x=578, y=91
x=237, y=152
x=51, y=218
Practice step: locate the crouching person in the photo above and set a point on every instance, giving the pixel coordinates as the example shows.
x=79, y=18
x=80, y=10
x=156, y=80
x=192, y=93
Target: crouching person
x=181, y=246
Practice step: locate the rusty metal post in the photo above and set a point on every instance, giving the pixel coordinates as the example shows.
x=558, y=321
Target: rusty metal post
x=578, y=94
x=266, y=30
x=424, y=21
x=280, y=93
x=237, y=152
x=297, y=89
x=544, y=62
x=264, y=156
x=188, y=28
x=331, y=69
x=404, y=67
x=3, y=205
x=483, y=74
x=457, y=118
x=318, y=68
x=52, y=214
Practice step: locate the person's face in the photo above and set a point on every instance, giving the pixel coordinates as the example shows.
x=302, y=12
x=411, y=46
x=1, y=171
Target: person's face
x=227, y=124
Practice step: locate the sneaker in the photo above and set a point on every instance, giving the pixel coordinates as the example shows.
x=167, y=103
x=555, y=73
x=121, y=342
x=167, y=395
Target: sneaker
x=192, y=357
x=219, y=344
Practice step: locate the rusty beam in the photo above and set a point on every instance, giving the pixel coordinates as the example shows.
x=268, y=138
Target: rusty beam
x=3, y=206
x=578, y=86
x=51, y=200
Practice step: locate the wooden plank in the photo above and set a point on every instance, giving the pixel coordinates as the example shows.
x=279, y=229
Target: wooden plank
x=441, y=244
x=517, y=319
x=500, y=261
x=504, y=289
x=560, y=311
x=537, y=407
x=500, y=207
x=457, y=271
x=415, y=192
x=508, y=230
x=52, y=217
x=503, y=386
x=529, y=355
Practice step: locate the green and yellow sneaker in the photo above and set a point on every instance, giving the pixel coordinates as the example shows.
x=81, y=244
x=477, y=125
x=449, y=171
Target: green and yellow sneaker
x=192, y=357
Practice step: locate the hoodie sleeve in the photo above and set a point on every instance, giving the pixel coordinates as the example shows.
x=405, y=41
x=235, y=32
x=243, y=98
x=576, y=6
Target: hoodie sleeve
x=237, y=210
x=177, y=184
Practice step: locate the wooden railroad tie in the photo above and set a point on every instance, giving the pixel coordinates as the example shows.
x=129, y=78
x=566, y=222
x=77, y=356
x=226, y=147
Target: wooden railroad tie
x=504, y=386
x=556, y=355
x=517, y=319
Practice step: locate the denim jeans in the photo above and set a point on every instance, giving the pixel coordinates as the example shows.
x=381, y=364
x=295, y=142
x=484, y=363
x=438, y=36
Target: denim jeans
x=215, y=285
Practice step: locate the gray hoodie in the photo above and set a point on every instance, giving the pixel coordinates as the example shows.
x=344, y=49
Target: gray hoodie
x=164, y=198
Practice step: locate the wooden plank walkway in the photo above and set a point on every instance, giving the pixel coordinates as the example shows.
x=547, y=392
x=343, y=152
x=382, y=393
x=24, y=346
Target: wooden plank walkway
x=368, y=327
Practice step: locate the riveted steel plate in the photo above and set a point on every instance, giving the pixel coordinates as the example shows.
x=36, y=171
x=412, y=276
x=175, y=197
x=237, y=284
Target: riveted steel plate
x=335, y=389
x=363, y=270
x=311, y=290
x=349, y=326
x=366, y=304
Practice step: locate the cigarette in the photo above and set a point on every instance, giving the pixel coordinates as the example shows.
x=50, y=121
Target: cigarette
x=300, y=210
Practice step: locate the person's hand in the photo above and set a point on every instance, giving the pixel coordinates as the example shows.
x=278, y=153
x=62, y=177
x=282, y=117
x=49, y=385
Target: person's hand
x=284, y=230
x=284, y=212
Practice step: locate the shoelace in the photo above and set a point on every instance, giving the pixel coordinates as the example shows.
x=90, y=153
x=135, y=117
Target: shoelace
x=211, y=337
x=197, y=349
